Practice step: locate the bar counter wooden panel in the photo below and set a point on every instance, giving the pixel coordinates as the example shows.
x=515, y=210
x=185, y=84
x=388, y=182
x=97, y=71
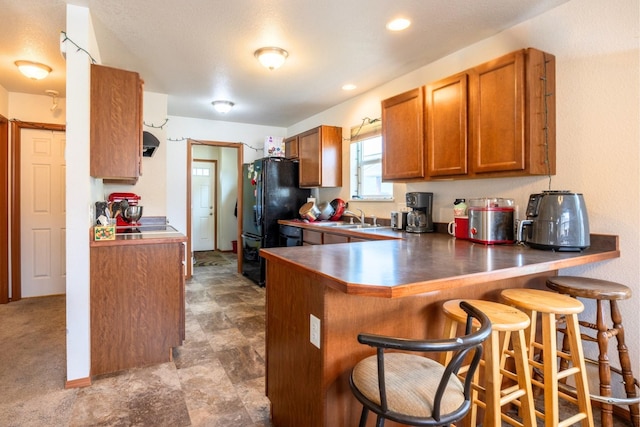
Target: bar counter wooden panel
x=308, y=385
x=137, y=304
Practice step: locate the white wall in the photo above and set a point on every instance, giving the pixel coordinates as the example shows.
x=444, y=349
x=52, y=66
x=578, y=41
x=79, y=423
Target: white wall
x=82, y=192
x=4, y=102
x=151, y=186
x=36, y=108
x=180, y=129
x=597, y=96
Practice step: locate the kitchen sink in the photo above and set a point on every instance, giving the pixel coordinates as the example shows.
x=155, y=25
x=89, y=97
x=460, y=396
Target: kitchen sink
x=329, y=223
x=362, y=226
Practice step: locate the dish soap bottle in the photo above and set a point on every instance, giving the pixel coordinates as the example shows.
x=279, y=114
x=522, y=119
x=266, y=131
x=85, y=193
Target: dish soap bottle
x=459, y=207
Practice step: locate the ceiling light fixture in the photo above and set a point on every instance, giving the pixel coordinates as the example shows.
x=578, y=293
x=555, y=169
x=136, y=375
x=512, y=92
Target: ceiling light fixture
x=398, y=24
x=349, y=86
x=33, y=70
x=271, y=57
x=222, y=107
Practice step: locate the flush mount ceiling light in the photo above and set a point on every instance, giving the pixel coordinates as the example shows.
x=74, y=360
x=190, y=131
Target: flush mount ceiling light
x=222, y=107
x=33, y=70
x=398, y=24
x=271, y=57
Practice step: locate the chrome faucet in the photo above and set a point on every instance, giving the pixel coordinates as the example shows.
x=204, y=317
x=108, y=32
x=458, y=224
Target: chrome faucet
x=354, y=215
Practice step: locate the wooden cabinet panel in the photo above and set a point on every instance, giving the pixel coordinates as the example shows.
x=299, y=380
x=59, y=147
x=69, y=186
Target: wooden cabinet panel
x=137, y=305
x=116, y=124
x=329, y=238
x=310, y=160
x=311, y=237
x=497, y=114
x=403, y=137
x=494, y=120
x=446, y=127
x=320, y=154
x=291, y=148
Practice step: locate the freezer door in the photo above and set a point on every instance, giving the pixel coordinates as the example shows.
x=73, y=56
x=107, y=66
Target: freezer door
x=252, y=266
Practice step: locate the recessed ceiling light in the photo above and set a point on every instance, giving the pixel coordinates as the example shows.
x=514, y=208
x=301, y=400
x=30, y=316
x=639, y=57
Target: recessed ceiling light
x=349, y=86
x=398, y=24
x=222, y=106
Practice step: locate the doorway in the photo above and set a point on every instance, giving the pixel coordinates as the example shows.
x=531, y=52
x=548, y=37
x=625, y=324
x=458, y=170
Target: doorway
x=43, y=215
x=229, y=171
x=16, y=197
x=204, y=207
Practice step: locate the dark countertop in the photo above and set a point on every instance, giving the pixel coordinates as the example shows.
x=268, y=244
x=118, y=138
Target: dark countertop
x=418, y=263
x=142, y=235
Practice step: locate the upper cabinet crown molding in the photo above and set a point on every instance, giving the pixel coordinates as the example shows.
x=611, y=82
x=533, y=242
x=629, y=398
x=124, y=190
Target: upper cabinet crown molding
x=494, y=120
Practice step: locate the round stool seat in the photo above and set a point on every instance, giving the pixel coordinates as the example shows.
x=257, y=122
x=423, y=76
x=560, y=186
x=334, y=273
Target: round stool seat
x=503, y=317
x=586, y=287
x=543, y=301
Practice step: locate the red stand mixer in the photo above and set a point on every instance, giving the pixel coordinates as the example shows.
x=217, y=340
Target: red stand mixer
x=125, y=208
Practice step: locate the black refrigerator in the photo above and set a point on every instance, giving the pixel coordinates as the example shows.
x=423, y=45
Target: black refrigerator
x=269, y=192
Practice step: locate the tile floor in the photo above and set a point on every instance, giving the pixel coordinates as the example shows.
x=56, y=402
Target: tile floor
x=216, y=378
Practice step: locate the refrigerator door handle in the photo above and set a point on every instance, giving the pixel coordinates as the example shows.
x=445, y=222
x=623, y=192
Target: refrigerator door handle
x=259, y=200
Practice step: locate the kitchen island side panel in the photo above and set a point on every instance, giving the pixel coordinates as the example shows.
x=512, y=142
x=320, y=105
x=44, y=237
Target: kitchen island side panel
x=310, y=387
x=294, y=365
x=137, y=302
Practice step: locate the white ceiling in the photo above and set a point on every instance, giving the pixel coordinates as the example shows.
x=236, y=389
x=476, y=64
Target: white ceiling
x=197, y=51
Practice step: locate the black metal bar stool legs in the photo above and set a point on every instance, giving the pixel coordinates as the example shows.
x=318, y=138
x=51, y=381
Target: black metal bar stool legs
x=400, y=384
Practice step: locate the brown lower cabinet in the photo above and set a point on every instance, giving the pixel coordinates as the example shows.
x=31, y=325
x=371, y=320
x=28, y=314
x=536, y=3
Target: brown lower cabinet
x=137, y=305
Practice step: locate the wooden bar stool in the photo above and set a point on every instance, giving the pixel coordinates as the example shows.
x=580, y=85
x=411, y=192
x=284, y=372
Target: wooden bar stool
x=601, y=291
x=511, y=323
x=543, y=355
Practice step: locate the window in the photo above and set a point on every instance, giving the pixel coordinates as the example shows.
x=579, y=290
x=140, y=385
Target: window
x=366, y=163
x=200, y=171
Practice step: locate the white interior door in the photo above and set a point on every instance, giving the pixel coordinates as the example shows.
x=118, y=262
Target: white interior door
x=203, y=209
x=42, y=212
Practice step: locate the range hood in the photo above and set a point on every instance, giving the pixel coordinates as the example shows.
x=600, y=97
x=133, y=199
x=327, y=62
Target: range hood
x=149, y=144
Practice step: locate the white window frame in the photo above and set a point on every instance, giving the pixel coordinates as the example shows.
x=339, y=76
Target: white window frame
x=368, y=130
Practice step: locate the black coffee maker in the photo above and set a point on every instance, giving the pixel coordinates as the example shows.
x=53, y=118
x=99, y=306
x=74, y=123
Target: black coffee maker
x=420, y=218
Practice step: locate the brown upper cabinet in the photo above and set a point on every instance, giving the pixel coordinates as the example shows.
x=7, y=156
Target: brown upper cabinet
x=291, y=147
x=402, y=136
x=446, y=126
x=496, y=119
x=320, y=156
x=116, y=124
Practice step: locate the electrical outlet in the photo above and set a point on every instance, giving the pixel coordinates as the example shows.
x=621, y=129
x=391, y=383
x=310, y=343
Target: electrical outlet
x=314, y=330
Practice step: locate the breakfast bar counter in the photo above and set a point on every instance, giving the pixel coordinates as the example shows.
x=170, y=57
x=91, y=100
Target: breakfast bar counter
x=388, y=287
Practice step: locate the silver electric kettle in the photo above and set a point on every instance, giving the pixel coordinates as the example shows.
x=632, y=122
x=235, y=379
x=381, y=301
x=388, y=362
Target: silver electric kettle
x=556, y=220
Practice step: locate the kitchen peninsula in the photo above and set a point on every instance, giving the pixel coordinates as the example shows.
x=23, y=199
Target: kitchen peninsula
x=390, y=287
x=137, y=298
